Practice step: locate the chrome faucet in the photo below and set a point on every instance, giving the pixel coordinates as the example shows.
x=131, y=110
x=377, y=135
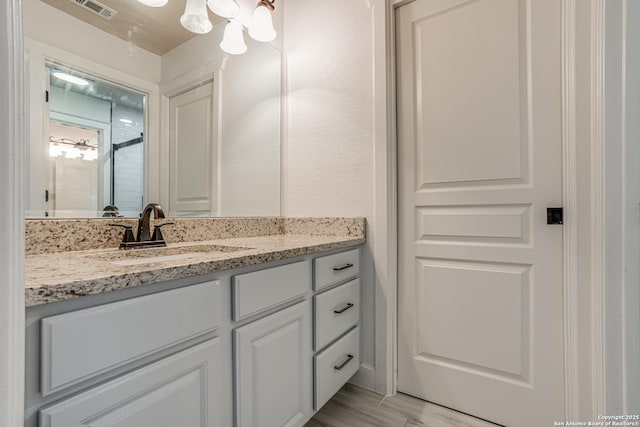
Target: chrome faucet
x=144, y=224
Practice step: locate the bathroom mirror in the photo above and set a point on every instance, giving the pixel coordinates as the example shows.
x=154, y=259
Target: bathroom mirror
x=182, y=124
x=95, y=147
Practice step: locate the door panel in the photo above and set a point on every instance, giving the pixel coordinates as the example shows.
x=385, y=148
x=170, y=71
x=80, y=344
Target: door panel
x=193, y=152
x=479, y=149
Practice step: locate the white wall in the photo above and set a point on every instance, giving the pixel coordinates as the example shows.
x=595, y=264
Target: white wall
x=249, y=134
x=328, y=141
x=75, y=104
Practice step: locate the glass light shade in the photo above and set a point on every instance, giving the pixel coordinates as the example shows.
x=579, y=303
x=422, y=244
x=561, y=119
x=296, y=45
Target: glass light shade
x=233, y=40
x=154, y=3
x=261, y=28
x=195, y=18
x=224, y=8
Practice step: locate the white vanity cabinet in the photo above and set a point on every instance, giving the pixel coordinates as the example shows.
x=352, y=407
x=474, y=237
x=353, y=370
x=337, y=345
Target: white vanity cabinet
x=261, y=346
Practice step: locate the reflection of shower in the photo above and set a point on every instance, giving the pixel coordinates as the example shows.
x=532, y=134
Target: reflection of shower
x=123, y=158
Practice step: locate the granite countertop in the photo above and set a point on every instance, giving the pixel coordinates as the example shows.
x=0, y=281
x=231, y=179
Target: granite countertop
x=60, y=276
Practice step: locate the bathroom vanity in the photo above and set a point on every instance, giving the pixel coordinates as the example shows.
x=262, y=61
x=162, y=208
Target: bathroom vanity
x=261, y=332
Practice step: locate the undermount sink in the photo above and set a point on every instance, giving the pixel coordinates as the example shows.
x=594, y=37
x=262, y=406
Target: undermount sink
x=163, y=254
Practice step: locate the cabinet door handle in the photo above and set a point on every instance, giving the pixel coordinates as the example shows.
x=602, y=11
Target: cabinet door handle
x=343, y=364
x=342, y=310
x=342, y=267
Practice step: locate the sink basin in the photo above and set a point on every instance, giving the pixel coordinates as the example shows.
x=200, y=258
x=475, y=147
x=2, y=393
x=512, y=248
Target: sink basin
x=164, y=254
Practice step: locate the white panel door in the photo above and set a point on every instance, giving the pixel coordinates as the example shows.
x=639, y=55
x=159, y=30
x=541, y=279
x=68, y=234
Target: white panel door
x=273, y=369
x=479, y=128
x=75, y=188
x=192, y=152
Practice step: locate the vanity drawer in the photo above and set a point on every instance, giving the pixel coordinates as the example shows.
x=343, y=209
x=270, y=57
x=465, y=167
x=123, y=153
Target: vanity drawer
x=78, y=345
x=179, y=390
x=336, y=311
x=332, y=269
x=265, y=289
x=334, y=366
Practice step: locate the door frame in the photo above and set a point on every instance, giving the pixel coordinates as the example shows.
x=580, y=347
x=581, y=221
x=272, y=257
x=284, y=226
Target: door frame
x=617, y=283
x=12, y=140
x=386, y=211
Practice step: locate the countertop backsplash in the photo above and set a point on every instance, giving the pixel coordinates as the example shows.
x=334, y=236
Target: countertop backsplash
x=43, y=236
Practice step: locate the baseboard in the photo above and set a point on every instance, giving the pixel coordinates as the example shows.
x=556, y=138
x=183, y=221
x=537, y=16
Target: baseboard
x=365, y=377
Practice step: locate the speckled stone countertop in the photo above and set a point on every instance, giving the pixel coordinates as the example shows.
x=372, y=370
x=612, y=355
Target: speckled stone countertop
x=68, y=274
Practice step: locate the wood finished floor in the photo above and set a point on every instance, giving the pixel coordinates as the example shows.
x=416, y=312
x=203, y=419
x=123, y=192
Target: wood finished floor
x=356, y=407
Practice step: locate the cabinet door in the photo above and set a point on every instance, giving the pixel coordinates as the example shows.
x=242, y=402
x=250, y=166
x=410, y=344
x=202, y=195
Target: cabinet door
x=180, y=390
x=273, y=369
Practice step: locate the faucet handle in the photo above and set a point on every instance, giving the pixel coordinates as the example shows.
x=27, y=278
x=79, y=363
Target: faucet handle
x=128, y=233
x=157, y=232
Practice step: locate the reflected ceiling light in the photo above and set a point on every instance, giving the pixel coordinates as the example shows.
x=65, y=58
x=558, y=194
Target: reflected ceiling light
x=224, y=8
x=71, y=79
x=71, y=149
x=195, y=18
x=233, y=40
x=261, y=28
x=154, y=3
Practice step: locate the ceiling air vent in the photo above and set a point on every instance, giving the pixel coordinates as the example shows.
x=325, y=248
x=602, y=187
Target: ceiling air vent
x=97, y=8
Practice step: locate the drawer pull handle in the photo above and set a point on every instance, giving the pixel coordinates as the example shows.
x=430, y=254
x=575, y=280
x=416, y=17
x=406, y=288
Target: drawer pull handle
x=342, y=267
x=343, y=364
x=347, y=307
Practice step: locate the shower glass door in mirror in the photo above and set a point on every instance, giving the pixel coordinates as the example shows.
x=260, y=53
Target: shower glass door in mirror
x=95, y=148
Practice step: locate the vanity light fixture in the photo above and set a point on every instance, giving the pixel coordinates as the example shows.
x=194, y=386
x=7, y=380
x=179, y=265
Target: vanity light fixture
x=72, y=149
x=233, y=40
x=70, y=78
x=224, y=8
x=195, y=17
x=261, y=28
x=154, y=3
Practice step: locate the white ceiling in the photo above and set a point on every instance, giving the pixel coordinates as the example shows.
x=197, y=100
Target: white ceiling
x=156, y=29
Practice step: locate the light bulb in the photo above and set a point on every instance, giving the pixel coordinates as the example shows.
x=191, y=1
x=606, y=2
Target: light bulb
x=154, y=3
x=233, y=40
x=224, y=8
x=71, y=79
x=195, y=18
x=261, y=28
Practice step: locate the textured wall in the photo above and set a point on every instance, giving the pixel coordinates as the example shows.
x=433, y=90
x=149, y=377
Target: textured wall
x=329, y=122
x=328, y=138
